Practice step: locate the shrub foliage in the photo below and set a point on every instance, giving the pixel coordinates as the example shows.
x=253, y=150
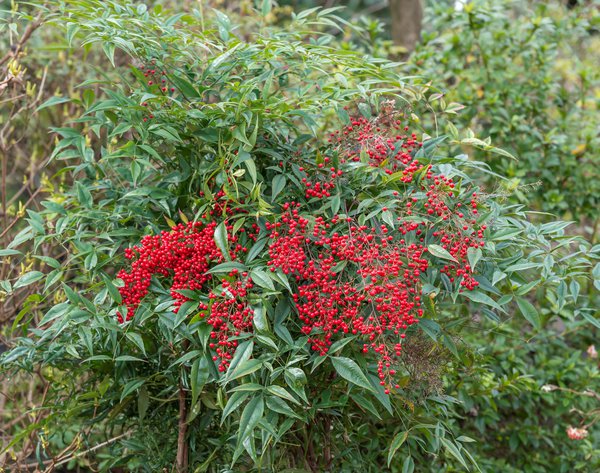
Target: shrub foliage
x=255, y=259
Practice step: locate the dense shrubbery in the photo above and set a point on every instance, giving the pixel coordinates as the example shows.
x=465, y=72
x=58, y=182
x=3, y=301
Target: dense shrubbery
x=259, y=256
x=541, y=105
x=528, y=79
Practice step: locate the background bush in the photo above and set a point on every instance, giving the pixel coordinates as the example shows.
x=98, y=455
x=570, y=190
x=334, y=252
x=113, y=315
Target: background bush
x=526, y=76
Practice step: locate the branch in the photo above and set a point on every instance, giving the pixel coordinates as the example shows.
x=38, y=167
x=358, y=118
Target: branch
x=18, y=47
x=182, y=446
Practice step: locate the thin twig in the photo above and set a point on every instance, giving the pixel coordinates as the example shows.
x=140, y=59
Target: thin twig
x=18, y=47
x=77, y=455
x=14, y=222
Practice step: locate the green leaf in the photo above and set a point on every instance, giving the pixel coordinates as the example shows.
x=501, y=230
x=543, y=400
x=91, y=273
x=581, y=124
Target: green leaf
x=46, y=259
x=128, y=358
x=112, y=289
x=277, y=186
x=227, y=267
x=266, y=7
x=53, y=101
x=267, y=341
x=335, y=203
x=130, y=387
x=184, y=86
x=350, y=371
x=261, y=323
x=251, y=166
x=235, y=401
x=574, y=288
x=250, y=417
x=365, y=404
x=282, y=393
x=221, y=240
x=409, y=465
x=395, y=444
x=248, y=387
x=28, y=278
x=262, y=279
x=478, y=296
x=184, y=311
x=590, y=318
x=72, y=29
x=245, y=368
x=379, y=393
x=198, y=377
x=340, y=344
x=529, y=312
x=474, y=255
x=453, y=450
x=10, y=252
x=561, y=292
x=388, y=217
x=239, y=133
x=187, y=357
x=256, y=249
x=242, y=353
x=168, y=133
x=522, y=290
x=296, y=380
x=83, y=195
x=55, y=312
x=137, y=339
x=109, y=50
x=437, y=250
x=503, y=152
x=280, y=277
x=450, y=345
x=280, y=406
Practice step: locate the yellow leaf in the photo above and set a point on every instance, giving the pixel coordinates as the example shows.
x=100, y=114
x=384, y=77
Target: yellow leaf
x=579, y=150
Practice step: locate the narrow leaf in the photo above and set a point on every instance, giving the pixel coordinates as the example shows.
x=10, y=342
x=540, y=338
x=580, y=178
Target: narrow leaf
x=350, y=371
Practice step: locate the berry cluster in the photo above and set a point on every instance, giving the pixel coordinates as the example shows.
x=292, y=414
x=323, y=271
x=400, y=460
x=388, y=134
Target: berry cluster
x=229, y=314
x=323, y=180
x=383, y=141
x=349, y=279
x=184, y=255
x=365, y=281
x=151, y=73
x=156, y=81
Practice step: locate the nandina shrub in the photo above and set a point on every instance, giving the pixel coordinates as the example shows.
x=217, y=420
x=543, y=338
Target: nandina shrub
x=257, y=232
x=344, y=278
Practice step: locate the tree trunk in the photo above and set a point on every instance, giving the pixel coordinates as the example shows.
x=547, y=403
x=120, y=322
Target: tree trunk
x=182, y=443
x=182, y=446
x=407, y=18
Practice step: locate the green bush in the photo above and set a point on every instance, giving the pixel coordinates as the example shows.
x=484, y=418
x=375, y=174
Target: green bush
x=239, y=133
x=526, y=74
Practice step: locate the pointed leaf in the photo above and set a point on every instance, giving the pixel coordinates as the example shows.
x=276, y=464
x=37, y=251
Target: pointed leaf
x=437, y=250
x=396, y=443
x=350, y=371
x=529, y=312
